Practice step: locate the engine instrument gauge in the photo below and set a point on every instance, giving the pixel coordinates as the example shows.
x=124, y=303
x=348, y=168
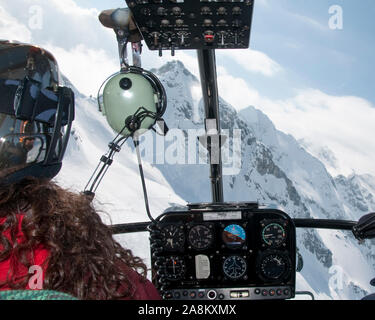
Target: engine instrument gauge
x=234, y=236
x=200, y=237
x=174, y=268
x=173, y=237
x=274, y=266
x=273, y=234
x=234, y=267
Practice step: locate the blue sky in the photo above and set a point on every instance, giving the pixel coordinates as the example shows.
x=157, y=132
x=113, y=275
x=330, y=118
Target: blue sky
x=297, y=36
x=311, y=81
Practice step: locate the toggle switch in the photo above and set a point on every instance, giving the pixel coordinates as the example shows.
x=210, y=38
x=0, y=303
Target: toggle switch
x=155, y=35
x=222, y=35
x=172, y=50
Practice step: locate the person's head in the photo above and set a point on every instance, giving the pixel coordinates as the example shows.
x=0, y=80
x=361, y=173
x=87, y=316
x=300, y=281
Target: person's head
x=36, y=114
x=35, y=110
x=28, y=143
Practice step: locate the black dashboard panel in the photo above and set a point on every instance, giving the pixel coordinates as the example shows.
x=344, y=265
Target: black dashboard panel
x=193, y=24
x=228, y=253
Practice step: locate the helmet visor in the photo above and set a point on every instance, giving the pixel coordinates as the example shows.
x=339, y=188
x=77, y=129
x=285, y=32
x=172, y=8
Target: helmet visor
x=23, y=143
x=36, y=113
x=18, y=61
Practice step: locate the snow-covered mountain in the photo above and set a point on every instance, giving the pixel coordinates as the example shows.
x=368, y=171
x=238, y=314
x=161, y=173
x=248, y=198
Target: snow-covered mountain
x=264, y=165
x=324, y=154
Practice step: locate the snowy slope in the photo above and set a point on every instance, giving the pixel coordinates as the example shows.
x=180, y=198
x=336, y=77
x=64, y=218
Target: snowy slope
x=275, y=170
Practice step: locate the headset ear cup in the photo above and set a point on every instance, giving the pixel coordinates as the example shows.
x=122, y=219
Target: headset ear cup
x=131, y=100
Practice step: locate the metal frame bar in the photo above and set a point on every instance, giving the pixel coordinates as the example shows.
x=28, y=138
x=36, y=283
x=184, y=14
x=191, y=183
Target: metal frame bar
x=299, y=223
x=208, y=75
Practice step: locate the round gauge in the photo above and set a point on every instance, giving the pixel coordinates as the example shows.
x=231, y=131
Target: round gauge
x=273, y=235
x=234, y=236
x=200, y=237
x=274, y=266
x=234, y=267
x=174, y=268
x=173, y=237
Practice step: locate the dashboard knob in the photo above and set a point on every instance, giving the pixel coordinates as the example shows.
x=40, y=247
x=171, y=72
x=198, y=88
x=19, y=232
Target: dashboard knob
x=176, y=11
x=222, y=11
x=206, y=11
x=161, y=11
x=179, y=22
x=165, y=23
x=236, y=10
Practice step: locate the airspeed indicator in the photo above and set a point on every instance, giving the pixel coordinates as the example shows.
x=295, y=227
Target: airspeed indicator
x=273, y=235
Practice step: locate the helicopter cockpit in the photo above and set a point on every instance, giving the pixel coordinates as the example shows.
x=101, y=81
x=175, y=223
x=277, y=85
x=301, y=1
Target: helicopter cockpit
x=207, y=251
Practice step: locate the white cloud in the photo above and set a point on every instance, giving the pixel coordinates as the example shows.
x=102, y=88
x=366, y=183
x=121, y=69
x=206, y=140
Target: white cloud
x=235, y=90
x=12, y=29
x=60, y=23
x=343, y=124
x=86, y=51
x=253, y=61
x=86, y=68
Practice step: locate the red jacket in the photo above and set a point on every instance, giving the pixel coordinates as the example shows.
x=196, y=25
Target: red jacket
x=144, y=290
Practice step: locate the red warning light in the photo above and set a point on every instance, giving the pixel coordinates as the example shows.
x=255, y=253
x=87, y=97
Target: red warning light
x=209, y=37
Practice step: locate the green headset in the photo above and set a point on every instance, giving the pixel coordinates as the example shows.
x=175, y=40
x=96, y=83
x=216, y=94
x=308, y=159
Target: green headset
x=132, y=100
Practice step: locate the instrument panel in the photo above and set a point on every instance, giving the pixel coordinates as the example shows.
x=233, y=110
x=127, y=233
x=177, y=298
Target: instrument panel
x=193, y=24
x=228, y=253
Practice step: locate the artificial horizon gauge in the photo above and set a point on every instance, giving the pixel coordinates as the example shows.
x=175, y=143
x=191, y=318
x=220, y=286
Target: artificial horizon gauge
x=274, y=266
x=173, y=237
x=234, y=267
x=201, y=237
x=273, y=234
x=174, y=268
x=234, y=236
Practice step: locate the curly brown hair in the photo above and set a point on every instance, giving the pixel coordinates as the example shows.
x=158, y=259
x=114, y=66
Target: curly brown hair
x=84, y=259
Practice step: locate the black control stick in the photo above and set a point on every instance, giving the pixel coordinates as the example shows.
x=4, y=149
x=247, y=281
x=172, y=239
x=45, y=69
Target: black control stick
x=365, y=228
